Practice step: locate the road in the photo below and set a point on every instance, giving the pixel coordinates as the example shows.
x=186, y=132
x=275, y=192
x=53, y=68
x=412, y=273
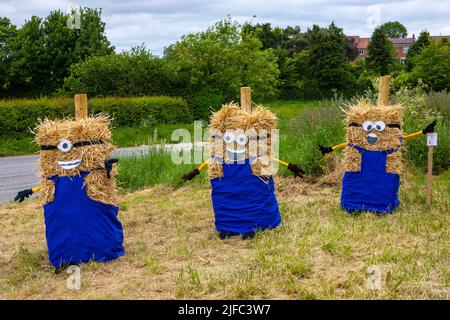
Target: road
x=22, y=172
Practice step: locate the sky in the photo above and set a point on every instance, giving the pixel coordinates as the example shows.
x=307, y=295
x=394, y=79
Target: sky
x=158, y=23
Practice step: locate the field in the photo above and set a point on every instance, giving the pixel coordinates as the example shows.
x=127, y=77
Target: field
x=319, y=252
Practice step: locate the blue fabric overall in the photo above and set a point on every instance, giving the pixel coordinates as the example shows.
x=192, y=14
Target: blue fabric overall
x=371, y=189
x=79, y=229
x=242, y=202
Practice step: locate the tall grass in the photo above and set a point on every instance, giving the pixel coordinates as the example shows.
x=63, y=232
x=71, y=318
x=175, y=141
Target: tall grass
x=153, y=168
x=303, y=126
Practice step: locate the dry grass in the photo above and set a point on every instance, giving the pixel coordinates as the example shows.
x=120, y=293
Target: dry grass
x=319, y=252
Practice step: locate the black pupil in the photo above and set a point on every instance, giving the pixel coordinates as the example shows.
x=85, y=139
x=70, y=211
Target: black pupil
x=369, y=127
x=378, y=127
x=65, y=145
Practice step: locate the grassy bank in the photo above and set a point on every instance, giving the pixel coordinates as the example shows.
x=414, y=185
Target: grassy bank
x=319, y=252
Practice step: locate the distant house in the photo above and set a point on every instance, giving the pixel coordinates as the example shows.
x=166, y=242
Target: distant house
x=360, y=44
x=401, y=45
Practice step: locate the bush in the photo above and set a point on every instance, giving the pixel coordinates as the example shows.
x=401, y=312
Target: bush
x=18, y=115
x=204, y=101
x=135, y=73
x=421, y=109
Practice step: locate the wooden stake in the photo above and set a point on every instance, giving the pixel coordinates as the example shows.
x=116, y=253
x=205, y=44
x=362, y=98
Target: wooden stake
x=246, y=98
x=383, y=91
x=81, y=106
x=429, y=176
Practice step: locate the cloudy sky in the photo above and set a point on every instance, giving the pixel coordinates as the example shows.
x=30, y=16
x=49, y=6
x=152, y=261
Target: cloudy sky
x=157, y=23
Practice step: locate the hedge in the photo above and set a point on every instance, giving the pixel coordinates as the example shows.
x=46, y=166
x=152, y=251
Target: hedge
x=18, y=115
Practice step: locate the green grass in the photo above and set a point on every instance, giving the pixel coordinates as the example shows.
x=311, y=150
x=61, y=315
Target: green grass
x=121, y=136
x=318, y=252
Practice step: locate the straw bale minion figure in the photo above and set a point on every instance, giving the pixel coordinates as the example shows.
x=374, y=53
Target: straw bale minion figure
x=372, y=157
x=78, y=191
x=241, y=171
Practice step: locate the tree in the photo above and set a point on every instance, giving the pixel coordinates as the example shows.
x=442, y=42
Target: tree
x=380, y=57
x=432, y=65
x=394, y=29
x=224, y=58
x=423, y=41
x=30, y=60
x=41, y=51
x=134, y=73
x=329, y=68
x=7, y=32
x=289, y=38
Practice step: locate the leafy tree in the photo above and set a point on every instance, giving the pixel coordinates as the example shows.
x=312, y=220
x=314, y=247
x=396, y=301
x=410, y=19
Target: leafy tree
x=30, y=60
x=432, y=65
x=423, y=41
x=294, y=72
x=329, y=68
x=134, y=73
x=224, y=58
x=380, y=59
x=394, y=29
x=351, y=50
x=7, y=32
x=289, y=38
x=42, y=50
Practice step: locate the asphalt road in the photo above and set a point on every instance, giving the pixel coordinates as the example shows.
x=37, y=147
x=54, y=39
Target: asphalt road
x=21, y=172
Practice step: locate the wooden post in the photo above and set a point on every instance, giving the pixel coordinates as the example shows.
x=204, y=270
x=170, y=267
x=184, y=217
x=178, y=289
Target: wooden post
x=246, y=98
x=383, y=91
x=81, y=106
x=429, y=176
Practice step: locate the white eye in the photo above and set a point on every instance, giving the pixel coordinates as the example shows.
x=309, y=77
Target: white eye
x=241, y=139
x=65, y=145
x=380, y=125
x=367, y=126
x=228, y=137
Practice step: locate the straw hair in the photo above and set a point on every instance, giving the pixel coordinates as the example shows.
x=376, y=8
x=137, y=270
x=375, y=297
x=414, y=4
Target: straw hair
x=230, y=116
x=97, y=128
x=260, y=122
x=215, y=169
x=389, y=138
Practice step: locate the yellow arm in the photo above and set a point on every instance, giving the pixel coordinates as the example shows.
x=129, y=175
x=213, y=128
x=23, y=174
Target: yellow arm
x=284, y=163
x=36, y=189
x=413, y=135
x=202, y=166
x=339, y=146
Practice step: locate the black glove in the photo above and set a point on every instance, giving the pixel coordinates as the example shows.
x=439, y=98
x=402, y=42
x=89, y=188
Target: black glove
x=109, y=165
x=21, y=195
x=298, y=172
x=191, y=175
x=429, y=128
x=325, y=150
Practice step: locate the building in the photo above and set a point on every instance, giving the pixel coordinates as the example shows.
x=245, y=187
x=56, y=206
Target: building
x=401, y=45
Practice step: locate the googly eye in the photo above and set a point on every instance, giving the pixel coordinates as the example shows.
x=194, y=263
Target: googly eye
x=367, y=126
x=380, y=125
x=65, y=145
x=241, y=139
x=228, y=137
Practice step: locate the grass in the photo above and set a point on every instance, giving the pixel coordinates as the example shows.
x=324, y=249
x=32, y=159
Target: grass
x=122, y=137
x=319, y=251
x=173, y=252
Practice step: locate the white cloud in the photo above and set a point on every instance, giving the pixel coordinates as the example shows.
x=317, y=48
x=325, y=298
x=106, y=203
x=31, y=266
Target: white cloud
x=158, y=23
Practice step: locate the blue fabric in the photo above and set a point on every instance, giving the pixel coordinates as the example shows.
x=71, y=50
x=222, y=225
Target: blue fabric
x=371, y=189
x=242, y=202
x=79, y=229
